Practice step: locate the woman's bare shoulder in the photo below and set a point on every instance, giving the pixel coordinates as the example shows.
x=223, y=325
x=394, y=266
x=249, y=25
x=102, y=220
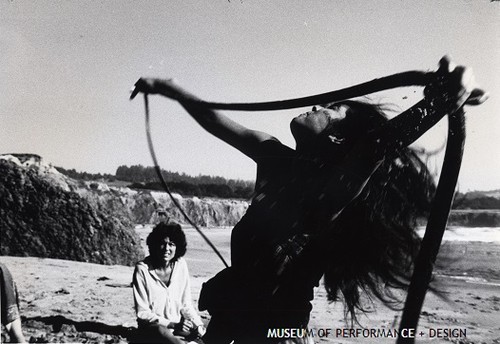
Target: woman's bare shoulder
x=273, y=147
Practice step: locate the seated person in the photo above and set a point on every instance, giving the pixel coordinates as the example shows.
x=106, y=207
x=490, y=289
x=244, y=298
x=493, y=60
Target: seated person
x=10, y=307
x=162, y=292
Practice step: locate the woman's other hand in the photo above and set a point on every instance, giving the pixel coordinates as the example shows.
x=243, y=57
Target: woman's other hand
x=453, y=86
x=187, y=325
x=199, y=331
x=183, y=328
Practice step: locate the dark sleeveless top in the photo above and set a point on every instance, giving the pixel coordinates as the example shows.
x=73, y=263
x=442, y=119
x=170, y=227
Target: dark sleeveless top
x=279, y=211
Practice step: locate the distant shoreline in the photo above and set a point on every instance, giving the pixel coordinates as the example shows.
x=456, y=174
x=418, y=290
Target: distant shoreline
x=471, y=218
x=461, y=233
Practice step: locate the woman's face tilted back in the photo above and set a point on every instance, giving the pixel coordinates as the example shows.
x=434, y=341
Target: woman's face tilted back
x=308, y=127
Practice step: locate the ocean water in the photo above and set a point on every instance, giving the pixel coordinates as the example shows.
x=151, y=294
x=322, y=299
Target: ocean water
x=480, y=234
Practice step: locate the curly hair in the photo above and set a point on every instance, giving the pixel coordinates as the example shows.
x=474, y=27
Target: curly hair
x=378, y=227
x=168, y=230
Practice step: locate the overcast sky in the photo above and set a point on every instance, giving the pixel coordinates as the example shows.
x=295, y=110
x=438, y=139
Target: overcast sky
x=67, y=67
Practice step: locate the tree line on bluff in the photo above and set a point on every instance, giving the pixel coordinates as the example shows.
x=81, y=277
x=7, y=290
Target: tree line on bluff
x=142, y=177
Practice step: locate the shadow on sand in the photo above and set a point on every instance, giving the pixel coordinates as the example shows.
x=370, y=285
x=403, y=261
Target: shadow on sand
x=57, y=322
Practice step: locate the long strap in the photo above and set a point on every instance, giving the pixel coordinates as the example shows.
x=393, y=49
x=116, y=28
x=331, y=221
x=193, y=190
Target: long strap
x=436, y=225
x=410, y=78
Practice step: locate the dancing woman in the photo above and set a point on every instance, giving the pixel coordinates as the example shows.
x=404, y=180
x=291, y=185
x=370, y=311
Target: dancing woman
x=342, y=205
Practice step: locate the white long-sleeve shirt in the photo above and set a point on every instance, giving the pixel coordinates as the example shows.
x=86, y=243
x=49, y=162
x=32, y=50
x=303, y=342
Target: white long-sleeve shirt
x=157, y=303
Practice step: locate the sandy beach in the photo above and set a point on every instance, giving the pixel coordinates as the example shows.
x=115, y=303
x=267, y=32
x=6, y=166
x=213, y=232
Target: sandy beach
x=66, y=301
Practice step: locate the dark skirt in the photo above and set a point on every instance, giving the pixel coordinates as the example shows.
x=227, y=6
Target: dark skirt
x=243, y=310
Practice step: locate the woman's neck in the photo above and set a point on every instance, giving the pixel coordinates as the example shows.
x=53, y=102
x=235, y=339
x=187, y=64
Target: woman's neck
x=317, y=153
x=160, y=264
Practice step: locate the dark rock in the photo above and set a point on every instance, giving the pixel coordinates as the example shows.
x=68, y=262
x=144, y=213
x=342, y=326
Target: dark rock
x=62, y=291
x=41, y=219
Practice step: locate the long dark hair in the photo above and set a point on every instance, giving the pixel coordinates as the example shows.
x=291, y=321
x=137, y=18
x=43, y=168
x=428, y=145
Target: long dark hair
x=373, y=242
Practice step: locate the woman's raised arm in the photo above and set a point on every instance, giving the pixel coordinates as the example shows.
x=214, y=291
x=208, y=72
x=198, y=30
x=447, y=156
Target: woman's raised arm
x=240, y=137
x=452, y=87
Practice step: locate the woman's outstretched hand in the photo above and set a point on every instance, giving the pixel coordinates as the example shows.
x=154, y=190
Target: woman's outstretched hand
x=453, y=86
x=165, y=87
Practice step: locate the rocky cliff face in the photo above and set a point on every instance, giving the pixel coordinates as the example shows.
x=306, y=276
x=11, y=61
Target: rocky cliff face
x=40, y=216
x=143, y=207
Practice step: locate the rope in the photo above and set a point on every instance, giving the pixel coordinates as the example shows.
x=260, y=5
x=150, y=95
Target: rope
x=167, y=189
